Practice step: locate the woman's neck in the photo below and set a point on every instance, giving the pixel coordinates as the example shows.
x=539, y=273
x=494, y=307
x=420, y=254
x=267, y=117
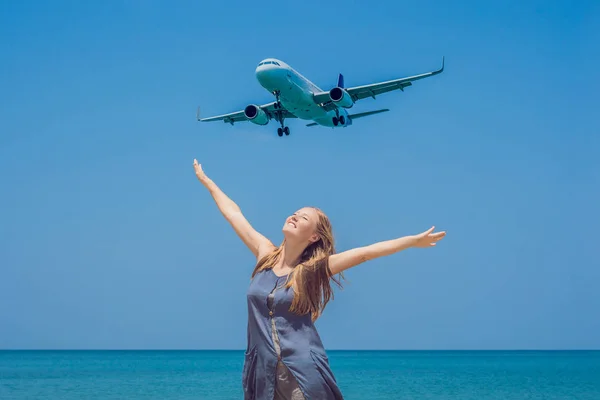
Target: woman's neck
x=290, y=255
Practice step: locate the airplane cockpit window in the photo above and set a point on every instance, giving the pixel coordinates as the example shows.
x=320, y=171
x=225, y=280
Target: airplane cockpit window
x=269, y=62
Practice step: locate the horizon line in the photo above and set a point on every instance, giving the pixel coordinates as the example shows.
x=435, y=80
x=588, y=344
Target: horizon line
x=328, y=350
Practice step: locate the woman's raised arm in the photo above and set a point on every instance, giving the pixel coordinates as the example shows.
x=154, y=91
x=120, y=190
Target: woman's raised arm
x=256, y=242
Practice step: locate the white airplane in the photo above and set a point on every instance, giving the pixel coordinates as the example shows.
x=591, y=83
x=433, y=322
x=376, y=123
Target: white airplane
x=297, y=97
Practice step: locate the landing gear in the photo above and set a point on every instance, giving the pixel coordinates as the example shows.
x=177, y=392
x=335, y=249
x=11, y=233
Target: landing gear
x=279, y=116
x=341, y=120
x=277, y=105
x=281, y=131
x=338, y=119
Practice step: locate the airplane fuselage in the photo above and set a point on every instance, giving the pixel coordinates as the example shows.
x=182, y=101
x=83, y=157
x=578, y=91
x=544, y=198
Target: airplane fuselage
x=296, y=93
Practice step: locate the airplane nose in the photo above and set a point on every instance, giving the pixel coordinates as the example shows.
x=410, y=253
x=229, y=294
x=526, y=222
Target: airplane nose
x=268, y=73
x=261, y=74
x=265, y=67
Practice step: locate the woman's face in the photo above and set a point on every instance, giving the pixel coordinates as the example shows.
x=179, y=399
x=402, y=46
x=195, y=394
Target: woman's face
x=302, y=225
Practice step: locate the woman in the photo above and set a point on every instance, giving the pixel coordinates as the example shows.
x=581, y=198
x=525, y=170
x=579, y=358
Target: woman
x=290, y=286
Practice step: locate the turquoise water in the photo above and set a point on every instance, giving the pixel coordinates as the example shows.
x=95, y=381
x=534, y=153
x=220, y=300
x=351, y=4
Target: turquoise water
x=216, y=375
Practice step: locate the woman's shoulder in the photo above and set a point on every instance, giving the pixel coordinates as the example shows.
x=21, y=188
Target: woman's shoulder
x=265, y=249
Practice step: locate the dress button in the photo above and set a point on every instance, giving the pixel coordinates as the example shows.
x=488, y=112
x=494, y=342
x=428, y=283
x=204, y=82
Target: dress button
x=271, y=313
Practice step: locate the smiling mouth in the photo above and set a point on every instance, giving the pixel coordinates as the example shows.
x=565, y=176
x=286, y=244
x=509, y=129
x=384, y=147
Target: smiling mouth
x=292, y=224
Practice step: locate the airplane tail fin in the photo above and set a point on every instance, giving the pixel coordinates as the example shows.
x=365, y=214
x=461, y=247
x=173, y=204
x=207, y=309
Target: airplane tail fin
x=341, y=81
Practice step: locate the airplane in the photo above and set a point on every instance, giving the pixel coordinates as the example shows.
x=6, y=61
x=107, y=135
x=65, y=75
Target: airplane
x=298, y=97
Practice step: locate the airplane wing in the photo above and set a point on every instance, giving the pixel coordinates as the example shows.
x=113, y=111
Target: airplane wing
x=238, y=116
x=374, y=89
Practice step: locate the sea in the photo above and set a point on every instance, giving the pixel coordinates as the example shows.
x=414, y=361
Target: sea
x=216, y=375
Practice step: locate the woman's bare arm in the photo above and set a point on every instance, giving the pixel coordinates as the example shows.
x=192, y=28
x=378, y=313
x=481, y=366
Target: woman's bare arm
x=350, y=258
x=256, y=242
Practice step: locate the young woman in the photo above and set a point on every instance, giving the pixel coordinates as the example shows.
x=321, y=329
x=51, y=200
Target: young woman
x=290, y=286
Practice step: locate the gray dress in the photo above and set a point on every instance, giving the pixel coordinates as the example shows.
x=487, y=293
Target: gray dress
x=284, y=358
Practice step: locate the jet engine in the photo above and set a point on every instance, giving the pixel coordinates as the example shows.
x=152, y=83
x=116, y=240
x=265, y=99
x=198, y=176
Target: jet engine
x=256, y=115
x=340, y=97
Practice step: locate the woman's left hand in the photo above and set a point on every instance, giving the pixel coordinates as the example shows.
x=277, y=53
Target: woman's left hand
x=428, y=238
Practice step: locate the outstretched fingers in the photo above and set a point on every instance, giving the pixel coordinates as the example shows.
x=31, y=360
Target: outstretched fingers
x=436, y=237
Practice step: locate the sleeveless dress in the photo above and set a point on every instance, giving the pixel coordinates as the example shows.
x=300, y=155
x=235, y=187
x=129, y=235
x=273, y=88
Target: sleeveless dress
x=285, y=358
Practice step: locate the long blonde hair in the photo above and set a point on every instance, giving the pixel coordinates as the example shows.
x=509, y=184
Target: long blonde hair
x=310, y=279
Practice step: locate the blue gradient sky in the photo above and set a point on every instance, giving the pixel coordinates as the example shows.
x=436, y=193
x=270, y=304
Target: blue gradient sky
x=108, y=241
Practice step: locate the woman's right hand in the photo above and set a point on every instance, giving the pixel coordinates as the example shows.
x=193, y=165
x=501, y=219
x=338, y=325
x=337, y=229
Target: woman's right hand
x=199, y=172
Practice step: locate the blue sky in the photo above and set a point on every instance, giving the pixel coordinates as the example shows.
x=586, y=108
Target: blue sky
x=107, y=240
